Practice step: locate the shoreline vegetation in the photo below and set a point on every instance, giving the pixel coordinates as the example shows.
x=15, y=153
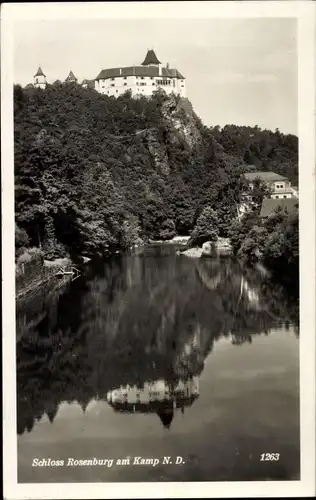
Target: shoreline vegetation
x=97, y=176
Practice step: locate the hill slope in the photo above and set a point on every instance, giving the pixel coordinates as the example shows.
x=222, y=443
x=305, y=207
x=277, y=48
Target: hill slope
x=94, y=173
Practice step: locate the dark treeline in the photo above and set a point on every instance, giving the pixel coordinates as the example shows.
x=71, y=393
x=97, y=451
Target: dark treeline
x=128, y=322
x=94, y=173
x=264, y=149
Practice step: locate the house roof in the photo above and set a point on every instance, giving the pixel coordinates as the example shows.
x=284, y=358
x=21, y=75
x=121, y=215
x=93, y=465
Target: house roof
x=39, y=72
x=264, y=176
x=150, y=71
x=269, y=206
x=151, y=58
x=71, y=77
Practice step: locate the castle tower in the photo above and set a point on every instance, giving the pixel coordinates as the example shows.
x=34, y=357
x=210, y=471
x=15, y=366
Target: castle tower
x=40, y=79
x=71, y=78
x=152, y=60
x=166, y=416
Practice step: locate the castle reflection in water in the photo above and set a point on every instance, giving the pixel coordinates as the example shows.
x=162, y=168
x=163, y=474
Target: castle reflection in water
x=135, y=332
x=158, y=397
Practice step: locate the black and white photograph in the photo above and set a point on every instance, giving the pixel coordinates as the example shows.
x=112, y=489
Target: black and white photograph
x=159, y=234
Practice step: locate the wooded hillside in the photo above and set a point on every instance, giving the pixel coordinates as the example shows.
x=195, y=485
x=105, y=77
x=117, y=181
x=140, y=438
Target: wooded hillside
x=94, y=173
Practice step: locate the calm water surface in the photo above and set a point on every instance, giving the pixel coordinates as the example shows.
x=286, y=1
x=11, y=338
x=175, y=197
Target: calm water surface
x=157, y=355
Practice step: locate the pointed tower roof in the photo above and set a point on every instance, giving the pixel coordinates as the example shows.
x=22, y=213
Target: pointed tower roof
x=39, y=72
x=150, y=58
x=71, y=77
x=166, y=416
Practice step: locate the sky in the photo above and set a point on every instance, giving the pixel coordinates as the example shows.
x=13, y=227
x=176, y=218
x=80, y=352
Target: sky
x=238, y=71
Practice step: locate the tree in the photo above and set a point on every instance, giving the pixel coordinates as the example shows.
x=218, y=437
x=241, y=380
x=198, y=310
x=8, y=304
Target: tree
x=206, y=228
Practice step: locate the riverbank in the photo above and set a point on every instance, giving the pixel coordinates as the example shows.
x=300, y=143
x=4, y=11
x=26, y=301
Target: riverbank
x=37, y=272
x=176, y=240
x=221, y=246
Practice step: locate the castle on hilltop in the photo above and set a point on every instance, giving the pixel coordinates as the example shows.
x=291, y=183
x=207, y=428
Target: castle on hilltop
x=145, y=79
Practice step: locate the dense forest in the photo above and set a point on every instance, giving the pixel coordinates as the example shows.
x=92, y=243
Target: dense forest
x=95, y=173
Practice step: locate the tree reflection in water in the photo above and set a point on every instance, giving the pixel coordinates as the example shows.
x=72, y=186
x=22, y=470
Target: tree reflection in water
x=136, y=321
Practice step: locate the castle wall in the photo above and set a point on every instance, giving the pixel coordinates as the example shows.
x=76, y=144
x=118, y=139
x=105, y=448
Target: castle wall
x=40, y=82
x=139, y=85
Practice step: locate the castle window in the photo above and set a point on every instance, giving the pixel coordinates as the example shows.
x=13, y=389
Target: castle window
x=277, y=197
x=153, y=83
x=112, y=84
x=284, y=196
x=125, y=83
x=125, y=77
x=142, y=78
x=112, y=79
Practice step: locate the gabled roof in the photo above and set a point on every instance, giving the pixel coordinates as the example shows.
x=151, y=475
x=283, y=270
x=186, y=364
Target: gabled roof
x=269, y=206
x=39, y=72
x=71, y=77
x=151, y=58
x=149, y=71
x=264, y=176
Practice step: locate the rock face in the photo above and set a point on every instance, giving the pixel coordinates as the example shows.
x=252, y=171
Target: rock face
x=222, y=245
x=158, y=153
x=179, y=115
x=207, y=247
x=195, y=253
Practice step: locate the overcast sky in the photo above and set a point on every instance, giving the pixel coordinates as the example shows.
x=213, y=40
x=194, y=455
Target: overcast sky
x=240, y=72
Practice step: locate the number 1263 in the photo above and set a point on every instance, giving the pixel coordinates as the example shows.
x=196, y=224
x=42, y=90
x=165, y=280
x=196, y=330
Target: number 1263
x=269, y=457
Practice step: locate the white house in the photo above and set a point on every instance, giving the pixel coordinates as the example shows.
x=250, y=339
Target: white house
x=280, y=186
x=141, y=80
x=40, y=79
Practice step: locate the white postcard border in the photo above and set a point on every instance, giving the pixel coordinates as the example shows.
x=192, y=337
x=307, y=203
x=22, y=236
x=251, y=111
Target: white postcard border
x=305, y=13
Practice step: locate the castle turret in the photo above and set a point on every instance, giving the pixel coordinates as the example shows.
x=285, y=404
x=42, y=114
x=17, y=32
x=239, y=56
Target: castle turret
x=151, y=59
x=71, y=78
x=166, y=416
x=40, y=79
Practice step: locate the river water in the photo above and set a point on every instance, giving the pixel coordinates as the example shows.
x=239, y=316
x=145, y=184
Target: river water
x=157, y=355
